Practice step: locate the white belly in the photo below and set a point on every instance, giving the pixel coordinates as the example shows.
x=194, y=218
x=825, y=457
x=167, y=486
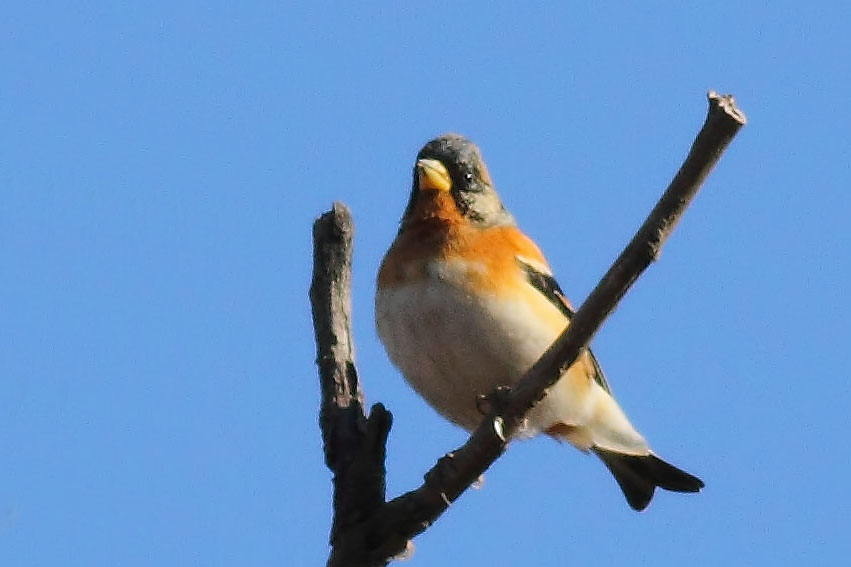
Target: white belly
x=452, y=347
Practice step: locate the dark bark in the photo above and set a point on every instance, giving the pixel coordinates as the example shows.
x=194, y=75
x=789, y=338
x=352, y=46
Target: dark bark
x=367, y=531
x=354, y=445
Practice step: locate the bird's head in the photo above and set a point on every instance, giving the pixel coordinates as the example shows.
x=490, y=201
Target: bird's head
x=449, y=171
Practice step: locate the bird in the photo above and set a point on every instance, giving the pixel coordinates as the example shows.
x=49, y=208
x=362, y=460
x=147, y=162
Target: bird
x=466, y=302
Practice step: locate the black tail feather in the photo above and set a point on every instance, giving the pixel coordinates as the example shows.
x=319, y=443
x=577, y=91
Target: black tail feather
x=638, y=476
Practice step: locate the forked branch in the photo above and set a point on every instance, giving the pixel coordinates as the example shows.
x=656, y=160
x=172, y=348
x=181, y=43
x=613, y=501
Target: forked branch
x=368, y=531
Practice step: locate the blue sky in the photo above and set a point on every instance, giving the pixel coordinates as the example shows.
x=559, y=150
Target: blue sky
x=162, y=165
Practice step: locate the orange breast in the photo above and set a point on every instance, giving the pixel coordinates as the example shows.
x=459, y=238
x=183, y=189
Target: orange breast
x=491, y=252
x=436, y=230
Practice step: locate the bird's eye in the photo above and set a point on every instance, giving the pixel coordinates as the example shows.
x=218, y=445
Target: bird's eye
x=468, y=176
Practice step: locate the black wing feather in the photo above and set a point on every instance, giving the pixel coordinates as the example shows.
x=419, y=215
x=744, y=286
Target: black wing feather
x=548, y=286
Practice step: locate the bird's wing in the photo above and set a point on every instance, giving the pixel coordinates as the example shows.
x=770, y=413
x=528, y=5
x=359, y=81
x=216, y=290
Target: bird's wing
x=547, y=285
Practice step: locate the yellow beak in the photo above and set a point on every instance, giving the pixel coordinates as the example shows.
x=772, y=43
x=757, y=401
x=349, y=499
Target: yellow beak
x=433, y=175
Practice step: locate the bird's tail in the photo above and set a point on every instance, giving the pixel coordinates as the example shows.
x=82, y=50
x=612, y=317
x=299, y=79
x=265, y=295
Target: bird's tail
x=639, y=475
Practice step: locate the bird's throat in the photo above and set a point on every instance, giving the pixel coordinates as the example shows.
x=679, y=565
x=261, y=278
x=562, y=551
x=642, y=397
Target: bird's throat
x=433, y=206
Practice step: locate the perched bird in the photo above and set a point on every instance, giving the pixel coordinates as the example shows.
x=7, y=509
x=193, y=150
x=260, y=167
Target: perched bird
x=466, y=302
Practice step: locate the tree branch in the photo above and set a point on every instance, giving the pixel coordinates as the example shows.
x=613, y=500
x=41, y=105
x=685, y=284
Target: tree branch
x=369, y=532
x=354, y=445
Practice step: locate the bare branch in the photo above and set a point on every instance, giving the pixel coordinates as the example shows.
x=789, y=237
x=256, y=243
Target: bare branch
x=354, y=446
x=374, y=534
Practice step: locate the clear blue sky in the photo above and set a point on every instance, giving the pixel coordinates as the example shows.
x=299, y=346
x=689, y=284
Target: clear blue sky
x=160, y=168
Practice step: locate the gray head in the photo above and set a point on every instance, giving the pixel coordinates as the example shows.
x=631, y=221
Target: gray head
x=454, y=164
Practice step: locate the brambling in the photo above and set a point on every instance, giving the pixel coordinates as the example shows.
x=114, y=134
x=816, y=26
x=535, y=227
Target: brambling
x=466, y=302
